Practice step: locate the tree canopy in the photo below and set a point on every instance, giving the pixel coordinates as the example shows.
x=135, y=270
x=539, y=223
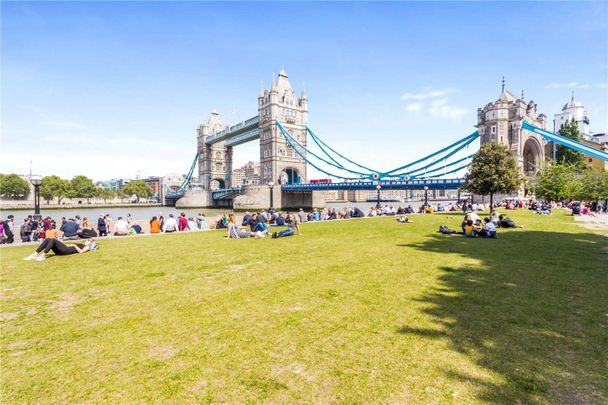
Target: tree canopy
x=12, y=185
x=137, y=188
x=493, y=170
x=83, y=187
x=106, y=194
x=556, y=181
x=55, y=187
x=592, y=187
x=566, y=155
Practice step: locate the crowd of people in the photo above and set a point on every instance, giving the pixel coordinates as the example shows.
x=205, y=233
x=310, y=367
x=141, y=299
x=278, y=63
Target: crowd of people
x=472, y=226
x=258, y=224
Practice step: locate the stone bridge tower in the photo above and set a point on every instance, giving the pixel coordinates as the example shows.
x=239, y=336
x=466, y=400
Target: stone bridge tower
x=214, y=161
x=279, y=162
x=500, y=121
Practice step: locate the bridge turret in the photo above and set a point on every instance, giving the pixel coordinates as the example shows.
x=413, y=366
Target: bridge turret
x=500, y=121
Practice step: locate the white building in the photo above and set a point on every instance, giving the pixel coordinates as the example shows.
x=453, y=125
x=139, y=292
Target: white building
x=574, y=109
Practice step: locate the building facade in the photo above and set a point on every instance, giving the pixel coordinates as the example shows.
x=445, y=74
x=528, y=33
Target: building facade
x=279, y=162
x=214, y=161
x=500, y=121
x=573, y=109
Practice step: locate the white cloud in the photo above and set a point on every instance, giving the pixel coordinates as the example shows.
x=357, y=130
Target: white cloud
x=436, y=104
x=414, y=107
x=426, y=93
x=440, y=108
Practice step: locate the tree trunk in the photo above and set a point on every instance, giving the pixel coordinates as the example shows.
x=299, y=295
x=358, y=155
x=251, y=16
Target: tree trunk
x=491, y=202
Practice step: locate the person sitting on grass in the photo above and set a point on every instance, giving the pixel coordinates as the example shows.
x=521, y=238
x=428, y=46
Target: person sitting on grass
x=258, y=224
x=121, y=228
x=70, y=229
x=478, y=227
x=292, y=227
x=490, y=229
x=280, y=220
x=60, y=248
x=154, y=225
x=506, y=222
x=468, y=230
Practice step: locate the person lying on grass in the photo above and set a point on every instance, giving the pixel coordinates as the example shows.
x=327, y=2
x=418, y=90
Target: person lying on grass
x=61, y=249
x=236, y=233
x=404, y=219
x=506, y=222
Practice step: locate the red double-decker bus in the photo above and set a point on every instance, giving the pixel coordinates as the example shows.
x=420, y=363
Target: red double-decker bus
x=321, y=181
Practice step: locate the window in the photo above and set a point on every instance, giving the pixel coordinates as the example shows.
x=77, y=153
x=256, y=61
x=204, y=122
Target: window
x=218, y=155
x=493, y=129
x=218, y=166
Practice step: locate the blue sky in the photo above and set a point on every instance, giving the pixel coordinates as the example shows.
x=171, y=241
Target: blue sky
x=117, y=89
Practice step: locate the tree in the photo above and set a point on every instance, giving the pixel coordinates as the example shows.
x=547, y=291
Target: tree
x=54, y=186
x=555, y=181
x=83, y=187
x=12, y=185
x=138, y=188
x=106, y=194
x=593, y=187
x=566, y=155
x=493, y=170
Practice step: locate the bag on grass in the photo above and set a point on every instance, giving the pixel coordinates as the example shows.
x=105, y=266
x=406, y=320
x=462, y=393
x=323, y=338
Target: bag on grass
x=445, y=230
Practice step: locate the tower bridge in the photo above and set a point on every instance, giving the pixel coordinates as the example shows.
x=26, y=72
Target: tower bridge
x=281, y=128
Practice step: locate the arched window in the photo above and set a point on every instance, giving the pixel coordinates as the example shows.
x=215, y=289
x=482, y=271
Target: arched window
x=218, y=166
x=218, y=155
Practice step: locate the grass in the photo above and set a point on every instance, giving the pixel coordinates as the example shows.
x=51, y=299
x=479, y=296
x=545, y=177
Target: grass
x=353, y=311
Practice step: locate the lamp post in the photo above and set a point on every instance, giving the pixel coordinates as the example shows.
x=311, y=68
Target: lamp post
x=426, y=196
x=378, y=187
x=271, y=186
x=36, y=182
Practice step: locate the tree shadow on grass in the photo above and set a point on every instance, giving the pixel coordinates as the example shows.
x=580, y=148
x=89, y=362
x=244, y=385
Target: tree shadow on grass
x=530, y=307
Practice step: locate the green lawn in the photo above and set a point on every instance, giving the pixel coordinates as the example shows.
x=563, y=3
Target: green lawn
x=353, y=311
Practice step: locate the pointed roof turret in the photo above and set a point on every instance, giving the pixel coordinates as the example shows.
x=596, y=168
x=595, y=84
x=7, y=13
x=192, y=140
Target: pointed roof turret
x=572, y=103
x=261, y=89
x=283, y=83
x=274, y=84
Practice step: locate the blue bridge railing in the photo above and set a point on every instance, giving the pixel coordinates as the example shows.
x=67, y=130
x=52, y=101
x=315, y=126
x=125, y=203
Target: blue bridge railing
x=225, y=193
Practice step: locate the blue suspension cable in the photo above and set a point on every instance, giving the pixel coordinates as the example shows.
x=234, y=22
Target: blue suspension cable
x=309, y=162
x=188, y=177
x=286, y=134
x=316, y=138
x=471, y=138
x=446, y=166
x=467, y=143
x=443, y=174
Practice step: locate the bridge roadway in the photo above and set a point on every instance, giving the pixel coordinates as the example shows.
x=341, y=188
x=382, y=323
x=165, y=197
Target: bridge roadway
x=243, y=132
x=432, y=184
